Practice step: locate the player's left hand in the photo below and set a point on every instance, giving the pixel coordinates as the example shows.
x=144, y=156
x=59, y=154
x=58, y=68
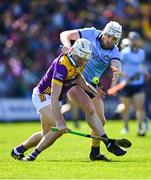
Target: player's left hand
x=116, y=73
x=62, y=127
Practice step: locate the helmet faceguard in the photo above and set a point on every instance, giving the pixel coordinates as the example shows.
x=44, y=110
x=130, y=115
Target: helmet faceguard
x=113, y=28
x=81, y=49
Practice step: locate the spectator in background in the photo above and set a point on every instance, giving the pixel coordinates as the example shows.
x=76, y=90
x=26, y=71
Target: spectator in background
x=30, y=28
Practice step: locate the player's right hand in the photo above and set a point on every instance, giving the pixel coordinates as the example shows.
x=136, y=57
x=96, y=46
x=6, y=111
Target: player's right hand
x=64, y=49
x=116, y=73
x=62, y=127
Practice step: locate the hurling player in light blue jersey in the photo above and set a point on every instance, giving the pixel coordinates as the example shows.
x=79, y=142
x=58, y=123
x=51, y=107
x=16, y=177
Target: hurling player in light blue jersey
x=105, y=53
x=132, y=58
x=102, y=56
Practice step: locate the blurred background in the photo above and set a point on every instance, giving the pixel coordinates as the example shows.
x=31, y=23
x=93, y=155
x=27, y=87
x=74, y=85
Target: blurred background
x=29, y=41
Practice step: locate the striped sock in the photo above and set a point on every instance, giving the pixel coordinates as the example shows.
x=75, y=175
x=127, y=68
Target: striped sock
x=95, y=150
x=35, y=153
x=21, y=149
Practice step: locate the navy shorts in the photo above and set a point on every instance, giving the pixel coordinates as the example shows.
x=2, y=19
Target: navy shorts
x=90, y=94
x=131, y=90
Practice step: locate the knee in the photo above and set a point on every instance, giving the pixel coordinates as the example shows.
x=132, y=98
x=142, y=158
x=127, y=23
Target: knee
x=89, y=109
x=103, y=121
x=59, y=134
x=46, y=128
x=102, y=118
x=44, y=132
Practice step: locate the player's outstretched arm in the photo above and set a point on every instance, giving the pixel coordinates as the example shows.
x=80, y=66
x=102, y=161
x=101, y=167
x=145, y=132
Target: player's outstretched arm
x=67, y=36
x=56, y=110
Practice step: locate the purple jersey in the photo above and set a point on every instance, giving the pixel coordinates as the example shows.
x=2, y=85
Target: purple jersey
x=62, y=72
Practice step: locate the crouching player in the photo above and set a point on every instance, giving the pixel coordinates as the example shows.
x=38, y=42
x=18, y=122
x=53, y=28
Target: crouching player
x=58, y=79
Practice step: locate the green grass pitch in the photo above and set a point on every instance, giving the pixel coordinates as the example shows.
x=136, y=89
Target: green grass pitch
x=68, y=157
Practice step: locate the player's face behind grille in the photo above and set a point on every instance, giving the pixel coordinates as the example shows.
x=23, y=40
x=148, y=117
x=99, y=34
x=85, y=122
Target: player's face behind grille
x=79, y=61
x=108, y=40
x=113, y=28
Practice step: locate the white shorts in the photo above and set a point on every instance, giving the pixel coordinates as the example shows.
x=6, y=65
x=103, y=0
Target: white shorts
x=40, y=100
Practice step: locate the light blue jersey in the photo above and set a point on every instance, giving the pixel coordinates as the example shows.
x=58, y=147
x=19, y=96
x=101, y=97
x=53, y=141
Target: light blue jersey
x=101, y=58
x=132, y=63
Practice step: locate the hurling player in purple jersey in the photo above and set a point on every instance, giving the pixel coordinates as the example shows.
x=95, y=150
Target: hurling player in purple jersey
x=47, y=95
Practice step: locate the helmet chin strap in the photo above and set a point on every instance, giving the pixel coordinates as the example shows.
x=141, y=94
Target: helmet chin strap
x=71, y=59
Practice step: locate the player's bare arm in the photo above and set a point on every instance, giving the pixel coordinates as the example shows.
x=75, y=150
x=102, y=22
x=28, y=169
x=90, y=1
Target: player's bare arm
x=67, y=36
x=59, y=119
x=116, y=70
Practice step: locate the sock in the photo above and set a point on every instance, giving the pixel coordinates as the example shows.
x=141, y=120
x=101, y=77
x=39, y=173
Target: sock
x=126, y=126
x=95, y=150
x=140, y=126
x=21, y=149
x=35, y=153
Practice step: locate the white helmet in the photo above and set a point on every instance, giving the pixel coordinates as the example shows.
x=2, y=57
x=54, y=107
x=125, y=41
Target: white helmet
x=113, y=28
x=82, y=48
